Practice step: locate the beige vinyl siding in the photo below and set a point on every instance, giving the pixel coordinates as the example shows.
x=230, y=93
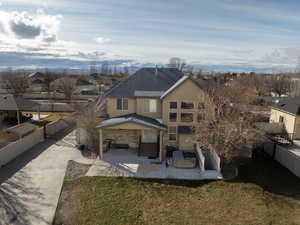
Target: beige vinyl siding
x=289, y=120
x=112, y=107
x=189, y=92
x=140, y=108
x=297, y=128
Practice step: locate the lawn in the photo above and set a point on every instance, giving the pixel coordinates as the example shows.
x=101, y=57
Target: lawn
x=264, y=193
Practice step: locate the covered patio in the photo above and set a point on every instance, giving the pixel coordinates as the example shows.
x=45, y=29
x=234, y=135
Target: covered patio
x=133, y=131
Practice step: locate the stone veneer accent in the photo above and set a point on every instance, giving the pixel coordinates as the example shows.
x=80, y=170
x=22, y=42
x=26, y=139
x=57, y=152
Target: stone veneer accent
x=130, y=137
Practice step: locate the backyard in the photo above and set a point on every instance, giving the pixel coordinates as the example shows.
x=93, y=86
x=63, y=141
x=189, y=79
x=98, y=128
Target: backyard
x=264, y=193
x=47, y=117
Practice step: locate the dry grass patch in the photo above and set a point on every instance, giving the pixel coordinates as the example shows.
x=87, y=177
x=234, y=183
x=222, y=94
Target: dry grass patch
x=105, y=200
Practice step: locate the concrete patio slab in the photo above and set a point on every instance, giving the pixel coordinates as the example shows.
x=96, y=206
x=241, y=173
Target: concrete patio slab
x=126, y=163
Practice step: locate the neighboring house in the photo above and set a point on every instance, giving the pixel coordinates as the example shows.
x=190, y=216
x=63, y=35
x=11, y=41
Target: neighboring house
x=11, y=107
x=153, y=108
x=287, y=112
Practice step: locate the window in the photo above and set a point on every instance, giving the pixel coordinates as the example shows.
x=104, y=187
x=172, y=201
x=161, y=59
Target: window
x=281, y=119
x=172, y=133
x=173, y=117
x=150, y=106
x=187, y=105
x=201, y=106
x=187, y=117
x=201, y=117
x=173, y=105
x=122, y=104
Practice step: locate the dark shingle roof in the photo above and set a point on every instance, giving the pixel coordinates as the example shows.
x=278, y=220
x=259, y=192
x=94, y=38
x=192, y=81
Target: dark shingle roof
x=12, y=103
x=146, y=79
x=290, y=105
x=132, y=118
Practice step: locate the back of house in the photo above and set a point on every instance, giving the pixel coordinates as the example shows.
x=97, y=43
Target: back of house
x=154, y=108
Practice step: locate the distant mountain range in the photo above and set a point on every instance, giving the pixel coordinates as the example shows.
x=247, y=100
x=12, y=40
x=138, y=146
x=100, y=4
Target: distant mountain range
x=205, y=68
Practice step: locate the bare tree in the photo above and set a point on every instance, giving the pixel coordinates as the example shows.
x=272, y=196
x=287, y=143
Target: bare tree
x=48, y=79
x=281, y=84
x=15, y=82
x=222, y=125
x=88, y=117
x=178, y=63
x=67, y=85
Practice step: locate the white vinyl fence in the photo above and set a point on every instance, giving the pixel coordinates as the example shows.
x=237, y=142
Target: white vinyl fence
x=14, y=149
x=208, y=159
x=288, y=159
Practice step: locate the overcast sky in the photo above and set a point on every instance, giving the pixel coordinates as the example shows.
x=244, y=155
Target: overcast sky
x=224, y=34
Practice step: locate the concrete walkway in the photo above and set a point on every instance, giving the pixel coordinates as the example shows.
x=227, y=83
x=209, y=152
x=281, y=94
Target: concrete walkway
x=31, y=184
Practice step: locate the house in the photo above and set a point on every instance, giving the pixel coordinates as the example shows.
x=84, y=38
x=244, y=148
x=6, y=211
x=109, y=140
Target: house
x=152, y=109
x=11, y=107
x=287, y=112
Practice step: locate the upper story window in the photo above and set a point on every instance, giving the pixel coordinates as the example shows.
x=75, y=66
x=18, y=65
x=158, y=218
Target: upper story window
x=150, y=106
x=173, y=105
x=187, y=117
x=122, y=104
x=281, y=119
x=172, y=117
x=187, y=105
x=201, y=105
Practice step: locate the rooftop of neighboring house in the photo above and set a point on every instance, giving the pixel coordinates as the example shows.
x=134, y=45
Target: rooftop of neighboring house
x=289, y=105
x=151, y=82
x=14, y=103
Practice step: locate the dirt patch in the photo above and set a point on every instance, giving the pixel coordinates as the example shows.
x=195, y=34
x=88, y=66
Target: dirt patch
x=7, y=137
x=76, y=170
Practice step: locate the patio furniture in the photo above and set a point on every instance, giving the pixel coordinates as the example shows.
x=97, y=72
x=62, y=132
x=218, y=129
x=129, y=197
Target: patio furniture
x=170, y=150
x=120, y=146
x=179, y=161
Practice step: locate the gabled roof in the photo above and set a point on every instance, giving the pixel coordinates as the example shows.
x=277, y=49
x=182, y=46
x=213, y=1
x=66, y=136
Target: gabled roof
x=147, y=80
x=135, y=118
x=13, y=103
x=201, y=83
x=289, y=105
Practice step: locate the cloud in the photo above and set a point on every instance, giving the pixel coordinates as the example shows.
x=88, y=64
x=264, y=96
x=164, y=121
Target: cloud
x=52, y=60
x=102, y=40
x=23, y=25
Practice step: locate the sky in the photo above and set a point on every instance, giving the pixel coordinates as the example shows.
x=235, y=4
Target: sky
x=225, y=35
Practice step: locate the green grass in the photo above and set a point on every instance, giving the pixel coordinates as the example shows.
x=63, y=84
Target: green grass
x=258, y=196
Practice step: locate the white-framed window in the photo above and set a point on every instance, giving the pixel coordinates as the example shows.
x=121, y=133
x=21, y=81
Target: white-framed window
x=200, y=117
x=150, y=106
x=281, y=119
x=122, y=104
x=173, y=105
x=187, y=117
x=173, y=117
x=172, y=133
x=187, y=105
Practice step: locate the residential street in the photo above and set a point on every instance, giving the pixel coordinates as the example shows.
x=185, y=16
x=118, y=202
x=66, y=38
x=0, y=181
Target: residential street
x=31, y=184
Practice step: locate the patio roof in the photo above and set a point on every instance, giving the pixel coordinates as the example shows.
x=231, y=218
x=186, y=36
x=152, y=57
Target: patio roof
x=134, y=118
x=13, y=103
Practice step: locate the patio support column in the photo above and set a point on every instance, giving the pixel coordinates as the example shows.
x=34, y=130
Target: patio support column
x=100, y=144
x=39, y=112
x=161, y=145
x=18, y=117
